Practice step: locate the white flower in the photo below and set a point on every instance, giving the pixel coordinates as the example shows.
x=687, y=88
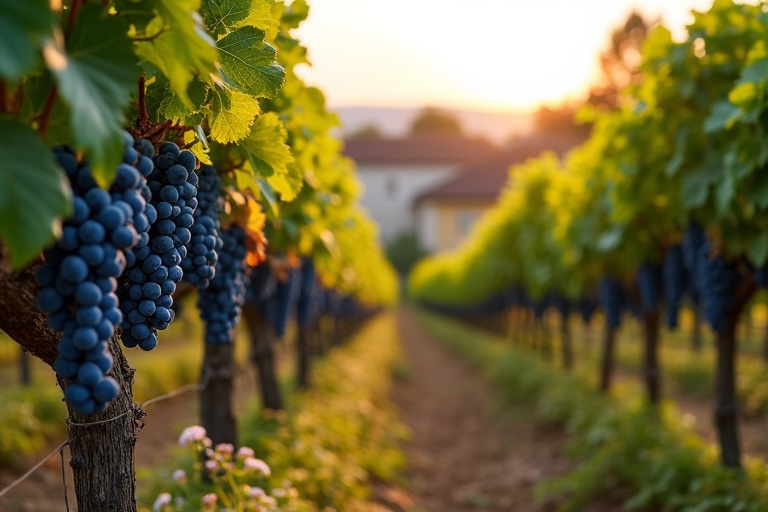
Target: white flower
x=279, y=493
x=161, y=501
x=179, y=476
x=192, y=434
x=257, y=465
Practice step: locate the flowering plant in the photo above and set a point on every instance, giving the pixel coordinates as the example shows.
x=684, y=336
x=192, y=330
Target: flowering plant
x=222, y=479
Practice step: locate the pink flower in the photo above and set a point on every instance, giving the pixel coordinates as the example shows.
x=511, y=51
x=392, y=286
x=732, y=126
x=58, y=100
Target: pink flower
x=192, y=435
x=209, y=501
x=225, y=449
x=256, y=492
x=161, y=501
x=258, y=466
x=211, y=466
x=244, y=452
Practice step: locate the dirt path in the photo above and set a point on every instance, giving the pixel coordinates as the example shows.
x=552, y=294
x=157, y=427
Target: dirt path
x=462, y=457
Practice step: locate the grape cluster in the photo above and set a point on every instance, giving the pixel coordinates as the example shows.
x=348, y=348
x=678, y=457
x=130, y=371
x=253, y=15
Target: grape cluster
x=717, y=283
x=221, y=303
x=286, y=293
x=612, y=300
x=650, y=285
x=693, y=240
x=587, y=308
x=199, y=265
x=146, y=294
x=561, y=304
x=675, y=282
x=306, y=305
x=79, y=278
x=761, y=276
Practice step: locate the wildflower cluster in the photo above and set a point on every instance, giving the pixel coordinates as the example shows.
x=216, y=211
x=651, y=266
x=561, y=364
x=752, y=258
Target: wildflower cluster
x=224, y=479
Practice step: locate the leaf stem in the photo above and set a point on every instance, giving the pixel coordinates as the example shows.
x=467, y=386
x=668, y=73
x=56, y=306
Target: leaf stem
x=143, y=114
x=74, y=9
x=138, y=39
x=3, y=97
x=45, y=117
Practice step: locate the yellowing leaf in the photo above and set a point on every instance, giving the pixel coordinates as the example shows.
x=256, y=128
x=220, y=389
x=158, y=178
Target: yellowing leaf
x=232, y=115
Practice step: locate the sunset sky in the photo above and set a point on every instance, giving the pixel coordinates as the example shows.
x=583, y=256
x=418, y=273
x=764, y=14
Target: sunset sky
x=500, y=55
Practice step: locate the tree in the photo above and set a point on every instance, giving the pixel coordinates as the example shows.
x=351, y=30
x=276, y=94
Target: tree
x=432, y=121
x=620, y=62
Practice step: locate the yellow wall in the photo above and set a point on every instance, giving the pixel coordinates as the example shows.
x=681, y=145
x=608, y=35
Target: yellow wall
x=454, y=220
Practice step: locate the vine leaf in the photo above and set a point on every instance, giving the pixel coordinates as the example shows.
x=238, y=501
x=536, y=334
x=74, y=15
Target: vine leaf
x=232, y=115
x=34, y=195
x=271, y=158
x=183, y=49
x=248, y=63
x=222, y=16
x=96, y=76
x=20, y=24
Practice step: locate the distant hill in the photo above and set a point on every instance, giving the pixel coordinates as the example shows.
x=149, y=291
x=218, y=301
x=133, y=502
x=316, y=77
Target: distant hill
x=394, y=122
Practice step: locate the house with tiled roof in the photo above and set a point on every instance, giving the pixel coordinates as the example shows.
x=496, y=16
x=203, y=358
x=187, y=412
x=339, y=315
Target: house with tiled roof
x=437, y=187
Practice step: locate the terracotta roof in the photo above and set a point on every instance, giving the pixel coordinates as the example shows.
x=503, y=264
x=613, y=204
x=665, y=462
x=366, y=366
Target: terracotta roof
x=424, y=150
x=486, y=178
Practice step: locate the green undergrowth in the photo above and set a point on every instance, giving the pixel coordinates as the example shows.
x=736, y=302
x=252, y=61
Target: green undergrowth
x=341, y=435
x=624, y=451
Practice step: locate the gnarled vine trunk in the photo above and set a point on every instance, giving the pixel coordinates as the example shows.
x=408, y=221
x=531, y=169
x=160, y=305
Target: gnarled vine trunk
x=217, y=379
x=263, y=357
x=651, y=370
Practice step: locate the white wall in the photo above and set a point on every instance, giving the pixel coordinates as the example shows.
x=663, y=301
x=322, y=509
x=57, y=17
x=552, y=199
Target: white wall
x=390, y=190
x=426, y=226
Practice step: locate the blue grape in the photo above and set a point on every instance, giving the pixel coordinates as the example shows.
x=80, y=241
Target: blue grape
x=612, y=300
x=199, y=265
x=221, y=302
x=718, y=279
x=650, y=285
x=80, y=274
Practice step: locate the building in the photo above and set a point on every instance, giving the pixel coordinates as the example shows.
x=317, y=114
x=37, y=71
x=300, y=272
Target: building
x=394, y=172
x=436, y=187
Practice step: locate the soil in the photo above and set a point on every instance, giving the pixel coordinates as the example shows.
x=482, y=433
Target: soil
x=463, y=456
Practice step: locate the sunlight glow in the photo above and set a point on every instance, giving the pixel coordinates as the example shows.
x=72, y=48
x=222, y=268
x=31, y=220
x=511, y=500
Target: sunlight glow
x=487, y=54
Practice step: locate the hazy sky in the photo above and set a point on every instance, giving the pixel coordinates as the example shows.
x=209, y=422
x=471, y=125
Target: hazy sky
x=486, y=54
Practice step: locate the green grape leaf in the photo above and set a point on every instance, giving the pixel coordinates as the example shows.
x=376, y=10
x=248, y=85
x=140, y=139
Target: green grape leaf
x=268, y=194
x=262, y=17
x=20, y=25
x=758, y=249
x=96, y=76
x=172, y=107
x=34, y=194
x=183, y=49
x=271, y=158
x=724, y=114
x=221, y=15
x=248, y=63
x=232, y=115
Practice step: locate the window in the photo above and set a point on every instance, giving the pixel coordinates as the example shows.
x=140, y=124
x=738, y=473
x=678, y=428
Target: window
x=465, y=219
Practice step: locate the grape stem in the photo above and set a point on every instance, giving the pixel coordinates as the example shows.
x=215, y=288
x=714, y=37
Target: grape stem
x=3, y=97
x=45, y=116
x=143, y=114
x=73, y=11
